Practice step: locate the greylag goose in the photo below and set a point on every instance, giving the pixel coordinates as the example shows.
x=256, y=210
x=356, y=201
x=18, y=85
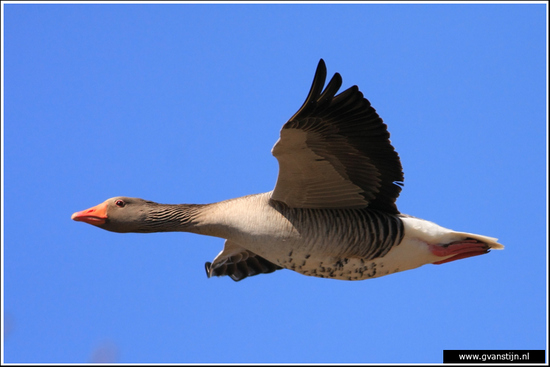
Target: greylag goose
x=332, y=213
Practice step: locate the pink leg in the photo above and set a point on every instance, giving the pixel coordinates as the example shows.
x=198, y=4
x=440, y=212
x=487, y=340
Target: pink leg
x=460, y=250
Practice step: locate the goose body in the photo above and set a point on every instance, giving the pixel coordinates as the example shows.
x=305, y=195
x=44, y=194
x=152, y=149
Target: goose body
x=332, y=212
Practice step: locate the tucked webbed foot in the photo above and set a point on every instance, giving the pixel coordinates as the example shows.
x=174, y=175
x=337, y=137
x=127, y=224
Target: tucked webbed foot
x=459, y=249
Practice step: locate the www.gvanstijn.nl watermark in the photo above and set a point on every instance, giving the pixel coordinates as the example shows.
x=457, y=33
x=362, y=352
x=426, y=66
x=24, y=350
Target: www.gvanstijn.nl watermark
x=494, y=356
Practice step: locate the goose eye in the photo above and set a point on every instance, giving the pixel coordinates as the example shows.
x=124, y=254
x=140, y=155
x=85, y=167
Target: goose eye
x=120, y=203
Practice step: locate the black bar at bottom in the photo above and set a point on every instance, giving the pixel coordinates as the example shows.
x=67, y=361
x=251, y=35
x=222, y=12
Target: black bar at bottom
x=494, y=356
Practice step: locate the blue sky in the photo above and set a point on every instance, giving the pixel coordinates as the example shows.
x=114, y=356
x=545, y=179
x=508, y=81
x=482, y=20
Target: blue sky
x=182, y=103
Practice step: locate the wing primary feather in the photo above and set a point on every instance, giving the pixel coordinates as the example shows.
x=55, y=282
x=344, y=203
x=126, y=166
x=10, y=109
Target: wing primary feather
x=325, y=99
x=315, y=90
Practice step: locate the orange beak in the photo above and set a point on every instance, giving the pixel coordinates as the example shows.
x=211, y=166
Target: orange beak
x=96, y=215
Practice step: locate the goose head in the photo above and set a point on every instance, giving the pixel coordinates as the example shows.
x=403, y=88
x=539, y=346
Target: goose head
x=119, y=214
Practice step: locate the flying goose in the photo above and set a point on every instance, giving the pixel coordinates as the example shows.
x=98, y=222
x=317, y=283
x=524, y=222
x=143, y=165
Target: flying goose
x=332, y=213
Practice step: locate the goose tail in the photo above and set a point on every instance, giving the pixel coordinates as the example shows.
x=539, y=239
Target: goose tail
x=490, y=241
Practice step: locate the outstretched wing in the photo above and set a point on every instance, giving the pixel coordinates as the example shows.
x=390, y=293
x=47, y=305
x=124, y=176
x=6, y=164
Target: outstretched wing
x=335, y=152
x=238, y=263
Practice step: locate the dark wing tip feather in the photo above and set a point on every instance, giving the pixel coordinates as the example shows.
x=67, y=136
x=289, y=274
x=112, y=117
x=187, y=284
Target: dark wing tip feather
x=315, y=90
x=327, y=96
x=254, y=265
x=207, y=267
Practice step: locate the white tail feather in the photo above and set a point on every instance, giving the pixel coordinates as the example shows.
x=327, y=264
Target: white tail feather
x=491, y=241
x=430, y=232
